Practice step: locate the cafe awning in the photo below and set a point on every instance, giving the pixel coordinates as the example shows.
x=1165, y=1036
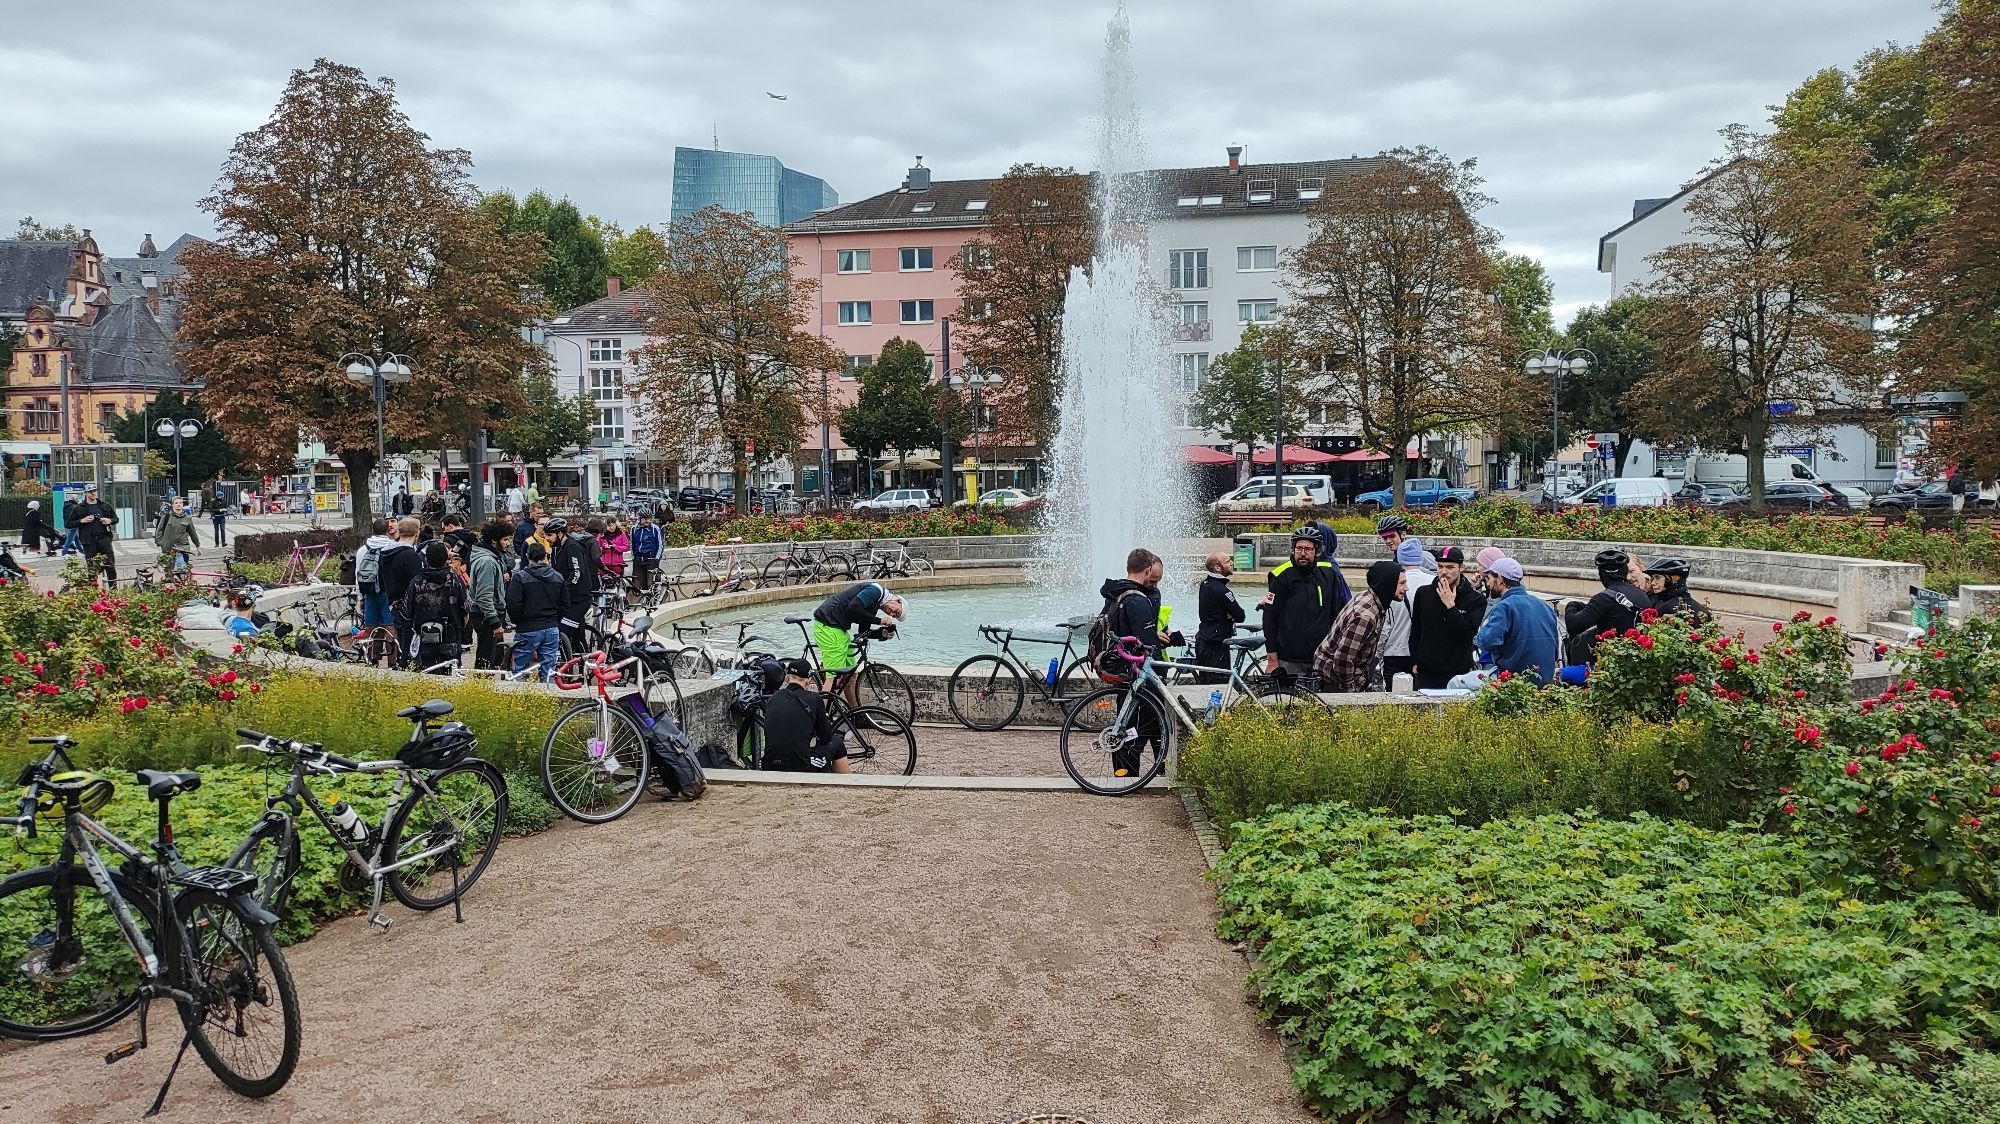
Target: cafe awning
x=1205, y=457
x=1296, y=454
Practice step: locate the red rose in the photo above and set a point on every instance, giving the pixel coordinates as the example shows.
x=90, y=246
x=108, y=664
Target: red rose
x=229, y=677
x=20, y=657
x=227, y=696
x=1646, y=642
x=1861, y=810
x=134, y=641
x=140, y=702
x=1776, y=627
x=1680, y=698
x=1853, y=768
x=1729, y=663
x=1684, y=677
x=1830, y=620
x=1798, y=694
x=1505, y=675
x=1790, y=808
x=256, y=687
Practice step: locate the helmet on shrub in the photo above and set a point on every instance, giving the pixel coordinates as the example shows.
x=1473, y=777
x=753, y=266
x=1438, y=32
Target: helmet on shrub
x=1391, y=522
x=1612, y=564
x=441, y=748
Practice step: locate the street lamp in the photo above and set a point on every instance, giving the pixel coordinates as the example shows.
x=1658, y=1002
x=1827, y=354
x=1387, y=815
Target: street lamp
x=1553, y=364
x=179, y=431
x=378, y=373
x=976, y=381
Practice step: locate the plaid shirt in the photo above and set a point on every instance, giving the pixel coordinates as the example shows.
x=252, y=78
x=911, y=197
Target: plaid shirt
x=1346, y=659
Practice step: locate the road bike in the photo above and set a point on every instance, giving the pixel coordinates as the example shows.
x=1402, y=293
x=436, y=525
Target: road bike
x=1104, y=735
x=874, y=565
x=83, y=944
x=596, y=759
x=440, y=827
x=986, y=691
x=630, y=638
x=700, y=578
x=807, y=563
x=701, y=660
x=876, y=684
x=1243, y=660
x=303, y=564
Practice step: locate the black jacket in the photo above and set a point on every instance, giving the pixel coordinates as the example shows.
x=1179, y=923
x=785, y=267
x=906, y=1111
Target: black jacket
x=1218, y=609
x=93, y=535
x=1682, y=602
x=535, y=597
x=1441, y=638
x=1300, y=608
x=1615, y=607
x=579, y=569
x=397, y=567
x=1136, y=616
x=799, y=735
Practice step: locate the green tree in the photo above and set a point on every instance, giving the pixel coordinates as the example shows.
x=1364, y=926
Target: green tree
x=897, y=404
x=202, y=456
x=634, y=257
x=1239, y=394
x=1880, y=108
x=550, y=424
x=31, y=231
x=577, y=260
x=1595, y=401
x=1525, y=296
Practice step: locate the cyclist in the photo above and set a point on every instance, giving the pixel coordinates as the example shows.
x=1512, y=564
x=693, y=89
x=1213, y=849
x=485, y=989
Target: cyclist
x=855, y=607
x=1613, y=609
x=176, y=538
x=1394, y=531
x=1667, y=580
x=435, y=603
x=535, y=605
x=1303, y=595
x=798, y=735
x=1220, y=613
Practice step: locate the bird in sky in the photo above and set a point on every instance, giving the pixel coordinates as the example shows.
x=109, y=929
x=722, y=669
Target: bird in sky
x=776, y=97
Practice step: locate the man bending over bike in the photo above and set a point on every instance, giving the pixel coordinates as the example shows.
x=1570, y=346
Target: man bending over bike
x=798, y=735
x=856, y=607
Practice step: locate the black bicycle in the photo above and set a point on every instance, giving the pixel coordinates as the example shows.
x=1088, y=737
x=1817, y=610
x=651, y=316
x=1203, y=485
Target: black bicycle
x=878, y=741
x=83, y=944
x=876, y=684
x=986, y=691
x=803, y=564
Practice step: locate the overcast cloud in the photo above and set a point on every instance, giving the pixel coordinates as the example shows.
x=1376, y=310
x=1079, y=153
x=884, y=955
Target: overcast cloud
x=1573, y=107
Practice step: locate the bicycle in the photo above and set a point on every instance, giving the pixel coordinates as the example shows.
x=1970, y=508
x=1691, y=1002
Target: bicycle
x=596, y=759
x=1242, y=659
x=1118, y=720
x=700, y=661
x=197, y=936
x=300, y=571
x=877, y=684
x=445, y=814
x=701, y=577
x=810, y=563
x=879, y=741
x=986, y=691
x=633, y=637
x=899, y=563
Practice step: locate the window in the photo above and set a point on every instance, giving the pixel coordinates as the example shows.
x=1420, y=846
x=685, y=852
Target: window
x=1211, y=200
x=976, y=310
x=915, y=258
x=1885, y=450
x=106, y=414
x=1256, y=312
x=977, y=257
x=38, y=364
x=1320, y=413
x=923, y=208
x=916, y=312
x=1310, y=189
x=1188, y=201
x=1187, y=269
x=975, y=204
x=1193, y=369
x=40, y=416
x=853, y=261
x=857, y=312
x=1256, y=259
x=607, y=384
x=851, y=366
x=1260, y=191
x=607, y=351
x=1191, y=312
x=610, y=424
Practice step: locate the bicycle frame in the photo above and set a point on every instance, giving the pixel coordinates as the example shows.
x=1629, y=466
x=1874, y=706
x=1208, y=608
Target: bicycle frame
x=1146, y=670
x=1005, y=638
x=720, y=656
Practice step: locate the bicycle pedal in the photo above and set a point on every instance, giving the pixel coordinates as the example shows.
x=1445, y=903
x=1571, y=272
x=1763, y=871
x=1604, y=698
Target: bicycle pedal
x=380, y=922
x=121, y=1052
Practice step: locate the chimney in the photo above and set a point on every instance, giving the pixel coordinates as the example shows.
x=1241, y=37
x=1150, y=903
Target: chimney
x=1235, y=153
x=919, y=178
x=610, y=286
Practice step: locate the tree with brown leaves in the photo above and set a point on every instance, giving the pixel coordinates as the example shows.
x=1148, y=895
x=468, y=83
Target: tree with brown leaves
x=1770, y=303
x=1013, y=277
x=1392, y=296
x=728, y=356
x=341, y=230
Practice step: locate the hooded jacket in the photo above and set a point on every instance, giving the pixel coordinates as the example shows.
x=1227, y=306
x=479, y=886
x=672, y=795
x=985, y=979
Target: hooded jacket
x=535, y=597
x=1133, y=610
x=1346, y=659
x=1677, y=599
x=579, y=558
x=488, y=588
x=1299, y=607
x=176, y=533
x=1440, y=637
x=397, y=568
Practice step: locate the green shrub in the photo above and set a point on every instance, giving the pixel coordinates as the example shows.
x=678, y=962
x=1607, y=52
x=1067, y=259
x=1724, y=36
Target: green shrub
x=1459, y=762
x=1569, y=968
x=276, y=546
x=1969, y=1091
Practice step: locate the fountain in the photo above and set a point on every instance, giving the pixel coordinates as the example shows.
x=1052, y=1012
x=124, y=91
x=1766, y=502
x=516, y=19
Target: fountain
x=1119, y=481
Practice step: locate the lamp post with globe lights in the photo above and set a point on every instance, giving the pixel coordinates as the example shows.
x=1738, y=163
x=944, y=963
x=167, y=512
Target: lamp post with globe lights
x=976, y=380
x=1552, y=364
x=378, y=373
x=185, y=429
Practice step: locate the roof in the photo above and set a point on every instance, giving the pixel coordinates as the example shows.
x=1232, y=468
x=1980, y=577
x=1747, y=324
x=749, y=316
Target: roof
x=122, y=275
x=629, y=311
x=1643, y=208
x=896, y=210
x=127, y=346
x=31, y=272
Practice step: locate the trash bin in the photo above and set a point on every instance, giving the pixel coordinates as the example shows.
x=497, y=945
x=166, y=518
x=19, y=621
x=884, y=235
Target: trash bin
x=1246, y=552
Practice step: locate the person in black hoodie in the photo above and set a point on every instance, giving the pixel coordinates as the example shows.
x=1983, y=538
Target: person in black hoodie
x=96, y=525
x=435, y=603
x=576, y=559
x=1303, y=595
x=1614, y=608
x=1132, y=610
x=535, y=604
x=1219, y=612
x=1445, y=614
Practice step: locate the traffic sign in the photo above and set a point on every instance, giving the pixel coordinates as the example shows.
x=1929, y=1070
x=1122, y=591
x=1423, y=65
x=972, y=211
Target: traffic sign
x=1590, y=442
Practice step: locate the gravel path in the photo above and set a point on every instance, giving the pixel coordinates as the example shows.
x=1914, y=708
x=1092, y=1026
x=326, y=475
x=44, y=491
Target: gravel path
x=768, y=954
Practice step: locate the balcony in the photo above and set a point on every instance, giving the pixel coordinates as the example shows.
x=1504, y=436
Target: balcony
x=1200, y=331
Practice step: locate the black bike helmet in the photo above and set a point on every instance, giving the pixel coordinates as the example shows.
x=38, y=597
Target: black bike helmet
x=1391, y=522
x=1612, y=564
x=555, y=526
x=1307, y=534
x=441, y=748
x=1672, y=569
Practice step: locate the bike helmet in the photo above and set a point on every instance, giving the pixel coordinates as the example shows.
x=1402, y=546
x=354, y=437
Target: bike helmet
x=746, y=697
x=92, y=791
x=1612, y=564
x=1307, y=534
x=442, y=748
x=555, y=526
x=1391, y=523
x=1670, y=568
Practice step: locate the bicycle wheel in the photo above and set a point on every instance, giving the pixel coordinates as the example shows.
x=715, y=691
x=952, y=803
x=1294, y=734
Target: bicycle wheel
x=594, y=763
x=1286, y=702
x=836, y=567
x=663, y=697
x=1109, y=759
x=468, y=805
x=750, y=742
x=985, y=693
x=884, y=686
x=921, y=567
x=693, y=663
x=65, y=967
x=777, y=572
x=245, y=1021
x=694, y=580
x=878, y=741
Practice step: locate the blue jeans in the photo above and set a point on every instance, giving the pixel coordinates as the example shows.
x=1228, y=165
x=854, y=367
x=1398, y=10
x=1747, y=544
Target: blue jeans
x=543, y=646
x=375, y=610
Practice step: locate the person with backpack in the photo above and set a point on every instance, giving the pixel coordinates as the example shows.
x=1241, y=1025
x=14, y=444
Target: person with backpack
x=398, y=568
x=648, y=547
x=1131, y=611
x=368, y=576
x=534, y=599
x=1302, y=596
x=434, y=606
x=96, y=524
x=458, y=537
x=1612, y=609
x=176, y=539
x=799, y=736
x=576, y=557
x=487, y=577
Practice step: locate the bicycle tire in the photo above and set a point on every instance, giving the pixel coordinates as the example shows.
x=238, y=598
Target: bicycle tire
x=473, y=795
x=750, y=742
x=887, y=741
x=985, y=693
x=574, y=776
x=695, y=580
x=692, y=662
x=779, y=571
x=97, y=997
x=223, y=932
x=663, y=697
x=922, y=567
x=1092, y=757
x=883, y=686
x=836, y=567
x=1300, y=705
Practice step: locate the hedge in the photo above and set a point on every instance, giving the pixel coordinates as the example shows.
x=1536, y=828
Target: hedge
x=276, y=546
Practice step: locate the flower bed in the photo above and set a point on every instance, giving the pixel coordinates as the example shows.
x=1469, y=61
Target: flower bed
x=933, y=523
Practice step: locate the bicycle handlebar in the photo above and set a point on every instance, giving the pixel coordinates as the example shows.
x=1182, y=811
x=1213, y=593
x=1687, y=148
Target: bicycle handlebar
x=287, y=747
x=1130, y=650
x=60, y=741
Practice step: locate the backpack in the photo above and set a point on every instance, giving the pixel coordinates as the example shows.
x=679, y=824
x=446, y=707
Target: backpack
x=430, y=602
x=1100, y=642
x=368, y=569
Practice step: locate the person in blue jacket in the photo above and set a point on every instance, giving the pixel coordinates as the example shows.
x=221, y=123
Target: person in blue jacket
x=1519, y=634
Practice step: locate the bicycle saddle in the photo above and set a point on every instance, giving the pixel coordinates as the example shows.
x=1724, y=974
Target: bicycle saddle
x=162, y=785
x=797, y=620
x=639, y=626
x=1245, y=642
x=435, y=708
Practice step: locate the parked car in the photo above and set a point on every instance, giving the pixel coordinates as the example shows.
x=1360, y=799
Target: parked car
x=1263, y=497
x=1934, y=496
x=1321, y=488
x=998, y=499
x=1795, y=495
x=896, y=499
x=702, y=499
x=1423, y=492
x=1626, y=491
x=1705, y=495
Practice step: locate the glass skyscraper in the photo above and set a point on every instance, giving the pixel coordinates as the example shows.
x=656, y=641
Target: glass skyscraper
x=739, y=181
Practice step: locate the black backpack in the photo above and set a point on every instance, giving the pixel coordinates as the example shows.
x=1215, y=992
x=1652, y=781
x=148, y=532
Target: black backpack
x=1100, y=642
x=432, y=602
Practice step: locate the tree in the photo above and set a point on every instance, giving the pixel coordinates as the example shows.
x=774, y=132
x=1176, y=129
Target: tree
x=202, y=456
x=897, y=404
x=1526, y=295
x=1392, y=299
x=577, y=261
x=1880, y=108
x=728, y=352
x=31, y=231
x=1013, y=277
x=341, y=230
x=549, y=422
x=1770, y=303
x=1239, y=394
x=1596, y=401
x=634, y=257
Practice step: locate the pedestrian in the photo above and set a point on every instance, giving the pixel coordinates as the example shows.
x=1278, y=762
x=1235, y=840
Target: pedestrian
x=1444, y=617
x=72, y=538
x=35, y=528
x=535, y=605
x=648, y=548
x=434, y=604
x=611, y=548
x=1519, y=633
x=575, y=558
x=1346, y=658
x=1303, y=595
x=1397, y=655
x=176, y=538
x=1218, y=613
x=533, y=495
x=1132, y=612
x=218, y=518
x=397, y=570
x=457, y=537
x=517, y=501
x=402, y=506
x=433, y=506
x=487, y=578
x=1612, y=609
x=368, y=576
x=1666, y=584
x=96, y=526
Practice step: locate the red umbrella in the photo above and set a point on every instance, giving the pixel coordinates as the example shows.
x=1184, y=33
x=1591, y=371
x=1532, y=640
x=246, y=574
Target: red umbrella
x=1206, y=457
x=1295, y=454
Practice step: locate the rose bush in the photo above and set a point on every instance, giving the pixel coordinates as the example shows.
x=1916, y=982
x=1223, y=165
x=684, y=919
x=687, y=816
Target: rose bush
x=932, y=523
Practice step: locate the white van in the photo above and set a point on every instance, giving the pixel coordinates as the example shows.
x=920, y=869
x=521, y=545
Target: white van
x=1626, y=491
x=1320, y=488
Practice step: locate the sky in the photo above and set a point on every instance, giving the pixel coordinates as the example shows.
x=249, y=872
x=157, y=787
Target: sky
x=1572, y=108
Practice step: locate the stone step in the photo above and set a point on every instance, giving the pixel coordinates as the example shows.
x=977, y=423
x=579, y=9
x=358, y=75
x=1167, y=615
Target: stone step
x=1900, y=631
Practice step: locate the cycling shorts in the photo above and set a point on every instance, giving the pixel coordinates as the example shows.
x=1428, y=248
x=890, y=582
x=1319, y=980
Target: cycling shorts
x=836, y=651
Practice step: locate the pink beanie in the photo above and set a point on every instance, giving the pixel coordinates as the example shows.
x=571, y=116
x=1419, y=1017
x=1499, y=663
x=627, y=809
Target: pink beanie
x=1489, y=556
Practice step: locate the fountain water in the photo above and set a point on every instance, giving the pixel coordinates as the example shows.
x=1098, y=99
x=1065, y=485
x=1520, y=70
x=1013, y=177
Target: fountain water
x=1119, y=481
